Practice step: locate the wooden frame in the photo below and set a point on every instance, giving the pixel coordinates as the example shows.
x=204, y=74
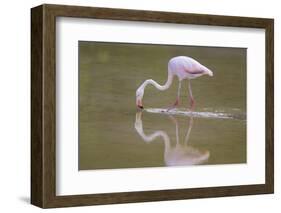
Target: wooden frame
x=43, y=110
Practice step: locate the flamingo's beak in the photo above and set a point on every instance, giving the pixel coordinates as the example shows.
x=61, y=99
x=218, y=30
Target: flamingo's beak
x=139, y=104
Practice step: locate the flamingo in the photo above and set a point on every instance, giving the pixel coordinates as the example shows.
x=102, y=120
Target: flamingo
x=179, y=155
x=184, y=68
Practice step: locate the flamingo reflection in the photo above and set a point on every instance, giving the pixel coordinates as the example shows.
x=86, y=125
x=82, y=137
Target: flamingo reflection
x=181, y=153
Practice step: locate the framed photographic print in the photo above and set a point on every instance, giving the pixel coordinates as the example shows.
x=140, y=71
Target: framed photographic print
x=136, y=106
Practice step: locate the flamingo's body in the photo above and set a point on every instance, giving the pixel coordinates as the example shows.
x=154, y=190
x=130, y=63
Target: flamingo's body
x=184, y=68
x=187, y=68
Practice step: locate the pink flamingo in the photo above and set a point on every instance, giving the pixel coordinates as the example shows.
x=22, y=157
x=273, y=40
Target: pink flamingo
x=184, y=68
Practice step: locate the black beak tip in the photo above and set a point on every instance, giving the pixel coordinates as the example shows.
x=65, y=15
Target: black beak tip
x=140, y=107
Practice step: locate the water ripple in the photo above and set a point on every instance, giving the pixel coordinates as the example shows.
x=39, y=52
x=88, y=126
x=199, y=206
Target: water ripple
x=214, y=114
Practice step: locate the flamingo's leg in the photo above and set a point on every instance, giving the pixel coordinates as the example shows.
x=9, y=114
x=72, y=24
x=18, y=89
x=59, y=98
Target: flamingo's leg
x=188, y=131
x=191, y=99
x=177, y=128
x=177, y=99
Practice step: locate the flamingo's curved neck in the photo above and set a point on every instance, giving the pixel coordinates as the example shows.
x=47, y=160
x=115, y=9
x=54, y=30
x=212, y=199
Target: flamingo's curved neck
x=153, y=136
x=158, y=86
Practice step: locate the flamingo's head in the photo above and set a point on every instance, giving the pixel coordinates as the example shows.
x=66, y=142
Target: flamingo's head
x=139, y=96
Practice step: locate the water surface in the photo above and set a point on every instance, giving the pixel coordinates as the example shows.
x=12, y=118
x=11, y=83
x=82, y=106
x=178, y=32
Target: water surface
x=113, y=134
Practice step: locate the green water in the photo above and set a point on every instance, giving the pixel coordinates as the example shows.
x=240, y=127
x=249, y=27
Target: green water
x=110, y=128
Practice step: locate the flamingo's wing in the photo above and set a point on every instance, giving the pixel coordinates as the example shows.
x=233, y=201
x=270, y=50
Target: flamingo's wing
x=194, y=71
x=193, y=68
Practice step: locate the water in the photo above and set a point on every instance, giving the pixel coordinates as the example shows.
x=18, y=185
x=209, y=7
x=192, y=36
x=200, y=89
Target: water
x=215, y=114
x=113, y=134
